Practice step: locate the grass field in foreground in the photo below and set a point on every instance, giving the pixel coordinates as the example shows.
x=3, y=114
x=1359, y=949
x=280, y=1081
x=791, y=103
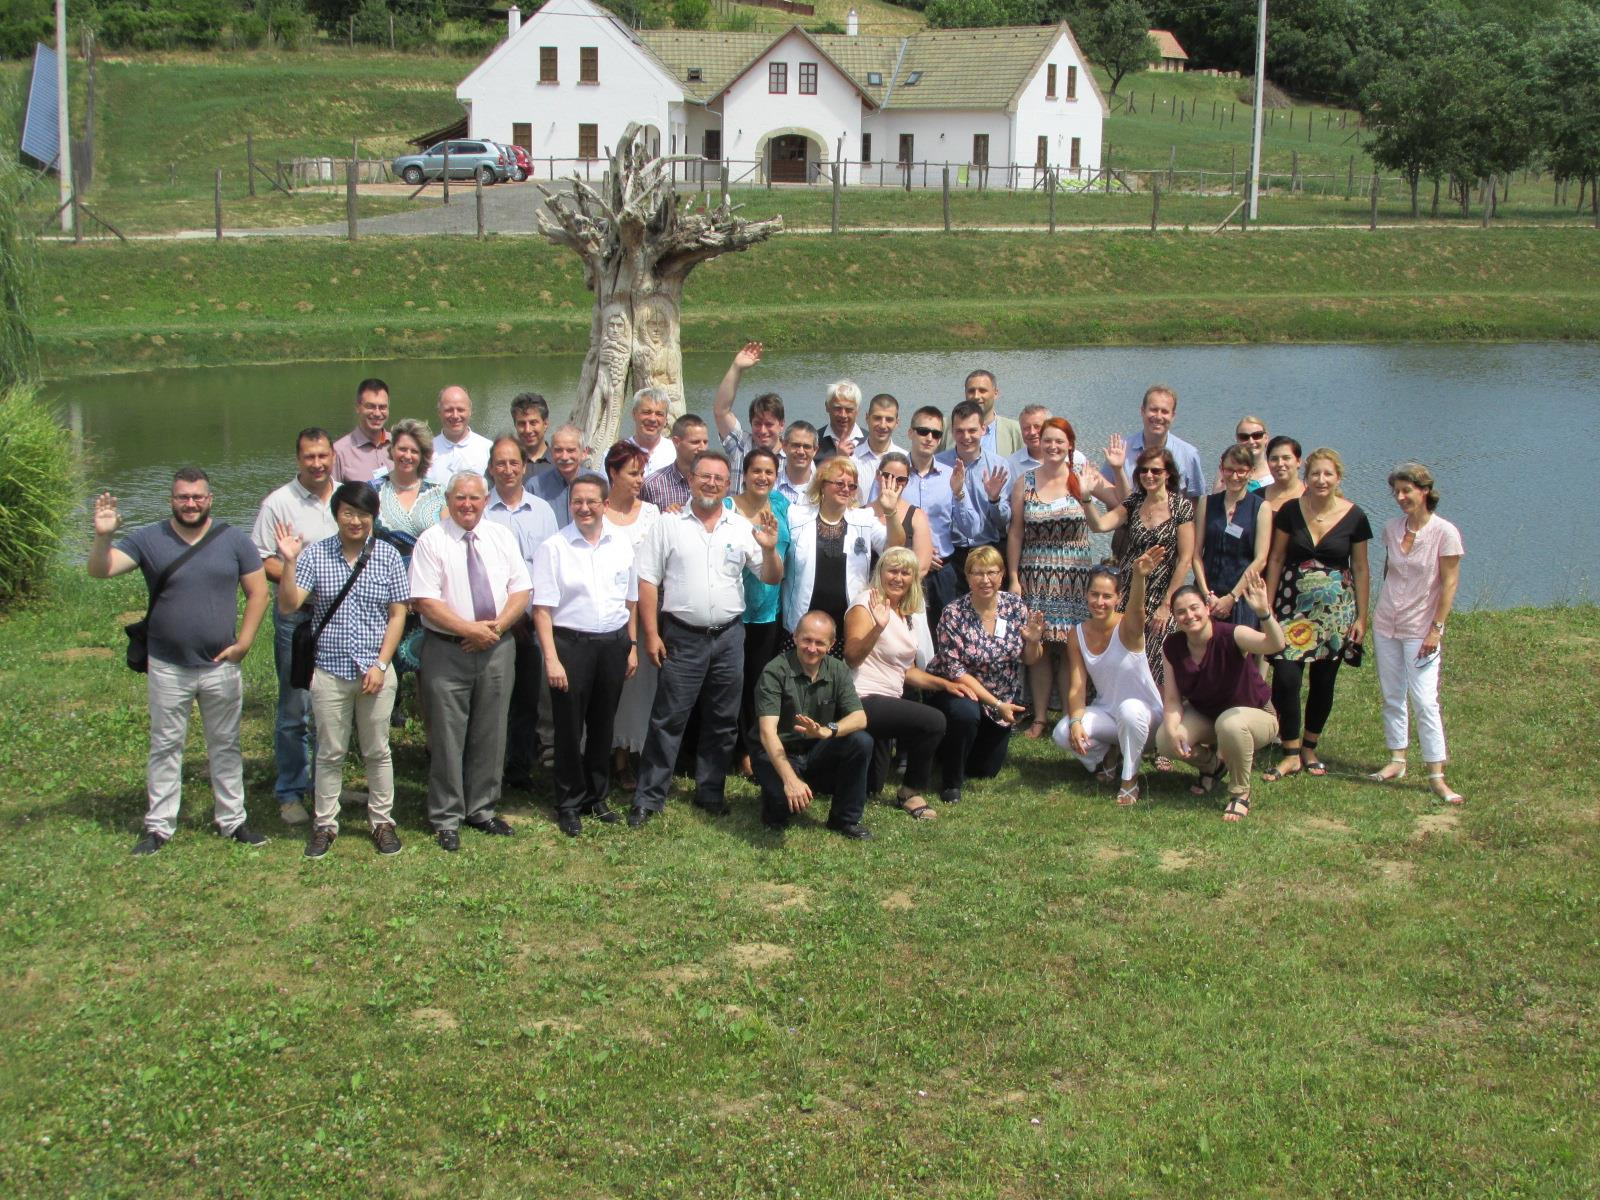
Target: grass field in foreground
x=164, y=304
x=1352, y=993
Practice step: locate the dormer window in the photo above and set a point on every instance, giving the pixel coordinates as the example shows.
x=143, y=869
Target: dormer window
x=874, y=78
x=697, y=74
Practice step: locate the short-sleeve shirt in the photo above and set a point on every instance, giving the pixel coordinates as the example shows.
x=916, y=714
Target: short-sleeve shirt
x=1184, y=455
x=587, y=588
x=1411, y=582
x=784, y=691
x=349, y=644
x=1224, y=678
x=967, y=648
x=439, y=566
x=298, y=507
x=1337, y=544
x=471, y=453
x=700, y=574
x=197, y=615
x=359, y=459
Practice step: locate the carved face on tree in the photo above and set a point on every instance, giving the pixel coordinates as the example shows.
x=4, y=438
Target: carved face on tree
x=655, y=318
x=616, y=327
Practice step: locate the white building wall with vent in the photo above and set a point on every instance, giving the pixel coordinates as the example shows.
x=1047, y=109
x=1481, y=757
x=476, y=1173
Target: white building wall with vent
x=1059, y=119
x=751, y=114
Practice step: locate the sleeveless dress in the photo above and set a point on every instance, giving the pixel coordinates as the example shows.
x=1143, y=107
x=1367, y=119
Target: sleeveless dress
x=1118, y=674
x=1180, y=511
x=639, y=693
x=1316, y=599
x=1053, y=567
x=1225, y=557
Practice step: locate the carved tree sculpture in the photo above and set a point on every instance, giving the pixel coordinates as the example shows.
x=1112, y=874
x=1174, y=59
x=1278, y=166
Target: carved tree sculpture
x=638, y=243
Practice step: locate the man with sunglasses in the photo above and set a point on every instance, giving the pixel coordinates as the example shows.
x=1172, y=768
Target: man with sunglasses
x=929, y=488
x=1157, y=412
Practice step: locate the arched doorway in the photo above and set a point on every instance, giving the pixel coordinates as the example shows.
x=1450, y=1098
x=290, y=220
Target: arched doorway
x=792, y=155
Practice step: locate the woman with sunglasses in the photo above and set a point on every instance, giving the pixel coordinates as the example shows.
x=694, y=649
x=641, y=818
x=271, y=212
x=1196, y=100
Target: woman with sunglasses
x=1250, y=435
x=832, y=545
x=1234, y=537
x=1156, y=514
x=1049, y=558
x=894, y=470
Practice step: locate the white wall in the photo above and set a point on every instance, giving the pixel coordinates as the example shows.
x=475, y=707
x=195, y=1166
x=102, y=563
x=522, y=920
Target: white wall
x=1060, y=119
x=750, y=114
x=926, y=126
x=505, y=88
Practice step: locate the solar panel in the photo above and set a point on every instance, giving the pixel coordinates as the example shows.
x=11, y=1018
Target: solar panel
x=40, y=138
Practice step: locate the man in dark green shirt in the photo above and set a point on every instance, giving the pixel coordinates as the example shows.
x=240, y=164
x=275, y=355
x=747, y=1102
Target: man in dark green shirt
x=813, y=733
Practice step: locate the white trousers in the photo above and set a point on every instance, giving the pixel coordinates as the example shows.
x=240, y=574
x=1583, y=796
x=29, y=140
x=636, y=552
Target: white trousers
x=172, y=691
x=1402, y=678
x=337, y=705
x=1131, y=726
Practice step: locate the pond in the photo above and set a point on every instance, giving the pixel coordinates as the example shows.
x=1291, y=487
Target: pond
x=1483, y=417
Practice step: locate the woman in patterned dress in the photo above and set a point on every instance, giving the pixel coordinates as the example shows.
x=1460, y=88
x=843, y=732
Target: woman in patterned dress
x=1049, y=559
x=1156, y=514
x=631, y=518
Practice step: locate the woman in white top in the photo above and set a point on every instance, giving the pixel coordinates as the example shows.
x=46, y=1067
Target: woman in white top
x=1109, y=650
x=1421, y=571
x=831, y=546
x=887, y=645
x=632, y=518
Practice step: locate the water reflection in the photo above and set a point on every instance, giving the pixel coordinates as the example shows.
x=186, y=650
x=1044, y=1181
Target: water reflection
x=1483, y=417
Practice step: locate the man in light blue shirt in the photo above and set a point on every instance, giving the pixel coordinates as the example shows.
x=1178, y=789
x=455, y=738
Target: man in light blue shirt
x=1157, y=411
x=929, y=489
x=980, y=487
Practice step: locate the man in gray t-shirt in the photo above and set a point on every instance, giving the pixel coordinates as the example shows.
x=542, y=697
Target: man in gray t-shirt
x=194, y=651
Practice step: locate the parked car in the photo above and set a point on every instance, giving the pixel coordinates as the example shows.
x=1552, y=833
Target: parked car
x=522, y=163
x=469, y=158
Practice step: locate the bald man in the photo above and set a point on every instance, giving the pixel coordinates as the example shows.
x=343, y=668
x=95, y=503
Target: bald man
x=458, y=447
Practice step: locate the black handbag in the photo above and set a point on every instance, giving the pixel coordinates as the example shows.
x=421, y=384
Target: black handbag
x=303, y=648
x=138, y=656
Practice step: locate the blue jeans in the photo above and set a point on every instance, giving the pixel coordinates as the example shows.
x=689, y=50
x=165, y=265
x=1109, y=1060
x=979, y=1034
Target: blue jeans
x=836, y=766
x=293, y=734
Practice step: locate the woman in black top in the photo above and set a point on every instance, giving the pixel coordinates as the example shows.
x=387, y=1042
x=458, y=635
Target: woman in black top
x=1318, y=579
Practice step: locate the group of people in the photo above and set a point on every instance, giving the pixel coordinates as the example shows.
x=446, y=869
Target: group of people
x=817, y=608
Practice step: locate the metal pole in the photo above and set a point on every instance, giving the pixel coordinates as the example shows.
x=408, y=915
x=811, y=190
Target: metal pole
x=64, y=175
x=250, y=161
x=1255, y=132
x=1050, y=190
x=947, y=197
x=836, y=196
x=350, y=198
x=447, y=170
x=477, y=199
x=1155, y=205
x=217, y=197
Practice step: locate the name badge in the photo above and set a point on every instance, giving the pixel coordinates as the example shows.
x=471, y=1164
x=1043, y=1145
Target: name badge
x=1233, y=530
x=999, y=627
x=622, y=579
x=1059, y=503
x=733, y=556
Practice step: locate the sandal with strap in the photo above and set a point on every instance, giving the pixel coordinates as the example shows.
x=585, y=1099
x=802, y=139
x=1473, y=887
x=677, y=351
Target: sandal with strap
x=1208, y=780
x=1128, y=793
x=1378, y=776
x=1238, y=807
x=1110, y=768
x=923, y=811
x=1313, y=766
x=1446, y=796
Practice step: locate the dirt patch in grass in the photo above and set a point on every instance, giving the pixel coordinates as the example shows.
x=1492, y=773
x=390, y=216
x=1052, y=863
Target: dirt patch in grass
x=551, y=1025
x=1174, y=860
x=679, y=974
x=780, y=897
x=436, y=1019
x=1436, y=822
x=1394, y=870
x=77, y=654
x=1322, y=825
x=1105, y=855
x=756, y=955
x=900, y=901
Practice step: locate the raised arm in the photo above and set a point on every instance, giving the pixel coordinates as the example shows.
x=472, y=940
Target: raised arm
x=1269, y=638
x=105, y=560
x=1130, y=630
x=722, y=404
x=1093, y=486
x=863, y=625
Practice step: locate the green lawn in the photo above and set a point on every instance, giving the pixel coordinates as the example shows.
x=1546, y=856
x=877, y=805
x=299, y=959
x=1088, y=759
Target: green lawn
x=1354, y=993
x=112, y=307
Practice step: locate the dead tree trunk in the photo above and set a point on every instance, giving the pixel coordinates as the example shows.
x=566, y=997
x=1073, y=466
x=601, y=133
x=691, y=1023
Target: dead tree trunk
x=638, y=242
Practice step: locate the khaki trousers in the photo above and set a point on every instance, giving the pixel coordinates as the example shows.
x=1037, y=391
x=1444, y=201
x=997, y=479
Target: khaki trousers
x=1232, y=740
x=338, y=704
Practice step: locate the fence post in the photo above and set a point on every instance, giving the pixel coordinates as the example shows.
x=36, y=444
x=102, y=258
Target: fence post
x=1372, y=222
x=1350, y=178
x=77, y=205
x=1050, y=191
x=477, y=199
x=1309, y=125
x=447, y=170
x=1155, y=204
x=1233, y=169
x=350, y=199
x=217, y=198
x=1487, y=202
x=946, y=191
x=172, y=175
x=1294, y=171
x=722, y=183
x=836, y=196
x=1172, y=166
x=250, y=161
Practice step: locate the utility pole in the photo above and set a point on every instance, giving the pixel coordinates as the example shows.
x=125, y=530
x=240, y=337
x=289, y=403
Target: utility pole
x=1255, y=134
x=63, y=126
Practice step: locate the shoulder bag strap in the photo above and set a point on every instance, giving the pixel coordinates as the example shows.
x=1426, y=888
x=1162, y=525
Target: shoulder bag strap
x=171, y=568
x=361, y=564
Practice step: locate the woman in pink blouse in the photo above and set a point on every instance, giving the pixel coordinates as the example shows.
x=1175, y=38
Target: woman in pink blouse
x=1421, y=571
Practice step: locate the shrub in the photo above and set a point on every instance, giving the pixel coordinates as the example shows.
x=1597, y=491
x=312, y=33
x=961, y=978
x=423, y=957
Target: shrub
x=19, y=357
x=690, y=14
x=36, y=488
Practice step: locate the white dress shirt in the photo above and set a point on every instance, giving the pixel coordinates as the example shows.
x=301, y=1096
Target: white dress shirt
x=586, y=587
x=795, y=493
x=439, y=566
x=663, y=454
x=867, y=461
x=471, y=453
x=701, y=574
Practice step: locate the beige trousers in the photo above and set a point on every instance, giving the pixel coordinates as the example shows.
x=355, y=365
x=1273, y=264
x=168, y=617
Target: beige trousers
x=1232, y=739
x=338, y=705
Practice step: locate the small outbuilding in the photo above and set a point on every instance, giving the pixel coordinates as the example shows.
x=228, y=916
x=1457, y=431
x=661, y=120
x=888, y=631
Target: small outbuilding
x=1173, y=56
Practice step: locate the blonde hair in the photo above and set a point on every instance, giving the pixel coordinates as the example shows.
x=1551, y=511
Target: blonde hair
x=825, y=472
x=984, y=556
x=900, y=556
x=1331, y=456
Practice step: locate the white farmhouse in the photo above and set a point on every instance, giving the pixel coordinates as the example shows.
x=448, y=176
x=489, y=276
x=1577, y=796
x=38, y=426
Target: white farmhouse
x=783, y=106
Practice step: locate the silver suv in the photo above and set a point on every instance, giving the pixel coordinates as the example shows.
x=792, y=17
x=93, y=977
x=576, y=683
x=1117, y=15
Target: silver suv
x=469, y=158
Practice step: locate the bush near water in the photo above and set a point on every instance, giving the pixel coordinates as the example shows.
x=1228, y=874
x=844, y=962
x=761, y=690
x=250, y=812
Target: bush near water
x=36, y=474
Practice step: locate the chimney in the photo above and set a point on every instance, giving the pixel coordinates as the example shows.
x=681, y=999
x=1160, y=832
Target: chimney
x=852, y=23
x=513, y=20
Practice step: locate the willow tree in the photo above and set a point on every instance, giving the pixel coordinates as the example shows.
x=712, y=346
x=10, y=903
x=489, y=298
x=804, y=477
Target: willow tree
x=638, y=239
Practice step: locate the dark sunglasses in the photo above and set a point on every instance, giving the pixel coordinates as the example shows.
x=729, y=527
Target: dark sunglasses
x=1250, y=437
x=924, y=431
x=1151, y=471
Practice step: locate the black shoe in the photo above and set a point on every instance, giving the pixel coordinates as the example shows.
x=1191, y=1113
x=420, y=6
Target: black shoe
x=245, y=836
x=494, y=827
x=385, y=838
x=448, y=839
x=149, y=843
x=570, y=824
x=603, y=812
x=850, y=829
x=639, y=816
x=717, y=808
x=950, y=796
x=320, y=842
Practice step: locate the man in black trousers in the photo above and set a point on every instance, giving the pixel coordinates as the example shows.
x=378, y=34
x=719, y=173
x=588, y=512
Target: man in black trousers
x=585, y=605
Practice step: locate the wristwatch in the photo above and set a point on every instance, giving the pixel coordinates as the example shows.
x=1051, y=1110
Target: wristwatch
x=381, y=665
x=833, y=729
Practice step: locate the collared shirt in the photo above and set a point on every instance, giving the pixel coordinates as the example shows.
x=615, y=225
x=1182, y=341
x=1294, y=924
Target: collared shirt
x=551, y=486
x=930, y=491
x=737, y=443
x=786, y=692
x=701, y=574
x=585, y=586
x=984, y=522
x=471, y=453
x=667, y=488
x=828, y=441
x=867, y=461
x=795, y=493
x=530, y=518
x=1002, y=436
x=439, y=566
x=349, y=644
x=663, y=454
x=299, y=508
x=1022, y=462
x=357, y=458
x=1185, y=455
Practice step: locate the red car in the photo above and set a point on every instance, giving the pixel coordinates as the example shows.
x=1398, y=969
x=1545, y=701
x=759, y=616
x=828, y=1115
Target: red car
x=521, y=162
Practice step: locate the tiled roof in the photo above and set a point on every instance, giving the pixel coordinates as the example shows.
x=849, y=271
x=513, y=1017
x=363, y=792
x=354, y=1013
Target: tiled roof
x=960, y=68
x=1167, y=45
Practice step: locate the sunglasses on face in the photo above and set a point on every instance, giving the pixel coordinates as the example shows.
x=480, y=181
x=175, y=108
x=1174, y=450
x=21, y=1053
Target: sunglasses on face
x=1253, y=436
x=892, y=475
x=924, y=431
x=1152, y=471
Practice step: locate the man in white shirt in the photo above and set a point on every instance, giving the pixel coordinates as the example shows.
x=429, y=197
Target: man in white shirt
x=1157, y=412
x=585, y=602
x=458, y=447
x=691, y=603
x=650, y=405
x=469, y=585
x=799, y=462
x=302, y=505
x=842, y=435
x=1030, y=421
x=766, y=416
x=883, y=417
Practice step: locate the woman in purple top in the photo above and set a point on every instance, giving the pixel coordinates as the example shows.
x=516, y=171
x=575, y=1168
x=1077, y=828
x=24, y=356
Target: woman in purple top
x=1216, y=708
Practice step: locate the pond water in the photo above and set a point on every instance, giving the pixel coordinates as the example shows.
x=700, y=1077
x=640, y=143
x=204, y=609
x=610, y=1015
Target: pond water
x=1483, y=417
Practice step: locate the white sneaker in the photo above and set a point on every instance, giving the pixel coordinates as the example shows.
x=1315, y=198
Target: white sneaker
x=293, y=813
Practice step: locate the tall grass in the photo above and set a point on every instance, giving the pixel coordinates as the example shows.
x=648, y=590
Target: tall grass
x=36, y=476
x=19, y=357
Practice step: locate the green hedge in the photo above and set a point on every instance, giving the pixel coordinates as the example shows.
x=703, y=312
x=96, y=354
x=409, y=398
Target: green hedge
x=37, y=474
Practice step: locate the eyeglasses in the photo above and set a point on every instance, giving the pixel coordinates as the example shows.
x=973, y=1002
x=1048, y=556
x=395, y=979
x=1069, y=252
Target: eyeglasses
x=1151, y=471
x=702, y=477
x=924, y=431
x=843, y=481
x=1254, y=435
x=892, y=475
